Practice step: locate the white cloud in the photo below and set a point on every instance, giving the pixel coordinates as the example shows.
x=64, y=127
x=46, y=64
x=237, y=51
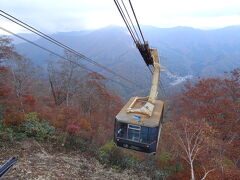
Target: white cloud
x=11, y=27
x=72, y=15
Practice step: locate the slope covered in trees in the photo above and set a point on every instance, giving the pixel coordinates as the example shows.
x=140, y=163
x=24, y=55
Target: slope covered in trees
x=73, y=111
x=204, y=126
x=71, y=100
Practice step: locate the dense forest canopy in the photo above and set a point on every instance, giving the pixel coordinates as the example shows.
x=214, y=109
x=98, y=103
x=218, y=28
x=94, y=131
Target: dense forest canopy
x=70, y=99
x=204, y=124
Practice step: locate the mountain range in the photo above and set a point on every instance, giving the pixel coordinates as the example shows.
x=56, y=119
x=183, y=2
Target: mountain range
x=185, y=52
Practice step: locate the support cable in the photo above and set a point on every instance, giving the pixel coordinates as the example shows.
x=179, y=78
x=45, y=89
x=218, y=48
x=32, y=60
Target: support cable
x=125, y=21
x=136, y=20
x=34, y=30
x=56, y=54
x=143, y=48
x=130, y=20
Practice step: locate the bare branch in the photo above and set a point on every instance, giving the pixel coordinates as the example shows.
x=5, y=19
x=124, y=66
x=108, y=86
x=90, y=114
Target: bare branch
x=206, y=173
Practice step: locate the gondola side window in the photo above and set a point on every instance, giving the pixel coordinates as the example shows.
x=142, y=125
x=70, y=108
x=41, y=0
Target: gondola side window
x=121, y=130
x=153, y=134
x=144, y=135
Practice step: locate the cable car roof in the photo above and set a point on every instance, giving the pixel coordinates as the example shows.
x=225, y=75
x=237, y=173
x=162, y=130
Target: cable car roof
x=140, y=119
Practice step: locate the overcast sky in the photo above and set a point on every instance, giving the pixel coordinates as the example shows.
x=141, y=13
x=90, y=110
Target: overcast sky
x=72, y=15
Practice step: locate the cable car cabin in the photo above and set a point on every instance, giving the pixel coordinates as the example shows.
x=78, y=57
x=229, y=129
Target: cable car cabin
x=138, y=125
x=138, y=131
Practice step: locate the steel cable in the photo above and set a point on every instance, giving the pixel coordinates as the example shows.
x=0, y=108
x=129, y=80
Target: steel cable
x=34, y=30
x=56, y=54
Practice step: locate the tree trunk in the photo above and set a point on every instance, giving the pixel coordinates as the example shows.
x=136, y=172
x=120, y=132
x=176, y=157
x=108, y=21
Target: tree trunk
x=192, y=171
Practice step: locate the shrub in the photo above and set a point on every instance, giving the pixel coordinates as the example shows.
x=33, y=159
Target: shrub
x=6, y=134
x=10, y=133
x=37, y=128
x=77, y=142
x=109, y=154
x=78, y=136
x=160, y=175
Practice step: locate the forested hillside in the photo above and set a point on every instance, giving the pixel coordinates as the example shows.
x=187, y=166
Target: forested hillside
x=60, y=113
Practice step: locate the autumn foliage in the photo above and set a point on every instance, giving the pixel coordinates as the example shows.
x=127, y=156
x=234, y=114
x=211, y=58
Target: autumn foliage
x=204, y=126
x=200, y=136
x=75, y=102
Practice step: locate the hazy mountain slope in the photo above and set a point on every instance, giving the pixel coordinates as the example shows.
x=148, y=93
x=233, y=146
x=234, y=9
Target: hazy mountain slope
x=195, y=51
x=186, y=52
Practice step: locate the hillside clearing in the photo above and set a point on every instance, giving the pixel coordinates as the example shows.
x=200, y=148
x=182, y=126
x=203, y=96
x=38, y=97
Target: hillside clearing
x=42, y=161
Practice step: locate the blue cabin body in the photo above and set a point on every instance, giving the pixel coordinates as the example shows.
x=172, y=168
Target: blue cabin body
x=139, y=132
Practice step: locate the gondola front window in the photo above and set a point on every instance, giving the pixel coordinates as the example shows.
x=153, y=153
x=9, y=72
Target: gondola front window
x=136, y=133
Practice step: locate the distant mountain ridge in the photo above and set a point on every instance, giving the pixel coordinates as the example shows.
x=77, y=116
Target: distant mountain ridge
x=186, y=52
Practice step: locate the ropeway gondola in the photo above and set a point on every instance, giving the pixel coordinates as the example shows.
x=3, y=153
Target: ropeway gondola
x=138, y=124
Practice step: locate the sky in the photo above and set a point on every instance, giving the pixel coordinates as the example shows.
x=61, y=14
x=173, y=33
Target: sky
x=52, y=16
